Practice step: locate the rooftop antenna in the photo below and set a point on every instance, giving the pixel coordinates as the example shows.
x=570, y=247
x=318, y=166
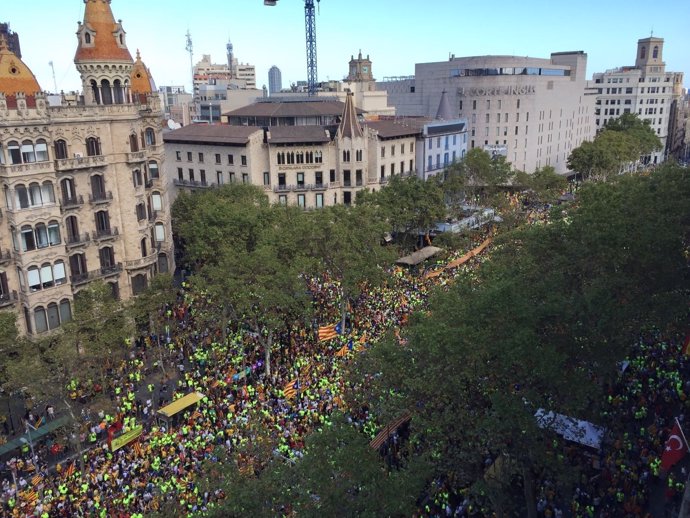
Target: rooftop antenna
x=190, y=48
x=50, y=64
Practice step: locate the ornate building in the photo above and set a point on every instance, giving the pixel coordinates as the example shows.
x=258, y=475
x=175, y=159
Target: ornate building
x=85, y=197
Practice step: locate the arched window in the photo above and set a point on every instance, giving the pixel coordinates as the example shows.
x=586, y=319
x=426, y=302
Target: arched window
x=33, y=278
x=96, y=92
x=69, y=193
x=119, y=92
x=40, y=319
x=54, y=233
x=643, y=52
x=47, y=192
x=59, y=273
x=153, y=169
x=41, y=149
x=106, y=92
x=28, y=241
x=15, y=152
x=28, y=153
x=77, y=265
x=72, y=227
x=143, y=247
x=156, y=201
x=53, y=316
x=133, y=143
x=160, y=232
x=150, y=137
x=93, y=146
x=87, y=38
x=106, y=257
x=97, y=187
x=102, y=223
x=65, y=311
x=21, y=195
x=35, y=195
x=60, y=149
x=47, y=275
x=41, y=233
x=141, y=211
x=655, y=52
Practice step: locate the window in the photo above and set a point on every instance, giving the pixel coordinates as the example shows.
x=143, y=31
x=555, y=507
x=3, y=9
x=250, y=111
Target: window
x=231, y=160
x=72, y=226
x=346, y=156
x=28, y=240
x=141, y=211
x=282, y=199
x=87, y=38
x=383, y=152
x=156, y=201
x=245, y=178
x=178, y=155
x=243, y=160
x=40, y=319
x=191, y=174
x=54, y=233
x=383, y=171
x=318, y=178
x=189, y=156
x=201, y=158
x=134, y=144
x=267, y=178
x=77, y=265
x=300, y=179
x=153, y=169
x=392, y=169
x=159, y=232
x=28, y=153
x=219, y=177
x=301, y=201
x=14, y=151
x=202, y=175
x=143, y=247
x=46, y=276
x=319, y=200
x=106, y=256
x=655, y=52
x=402, y=148
x=358, y=155
x=331, y=175
x=41, y=150
x=41, y=233
x=217, y=158
x=318, y=157
x=150, y=137
x=136, y=178
x=393, y=150
x=102, y=222
x=358, y=177
x=65, y=311
x=97, y=187
x=93, y=146
x=346, y=178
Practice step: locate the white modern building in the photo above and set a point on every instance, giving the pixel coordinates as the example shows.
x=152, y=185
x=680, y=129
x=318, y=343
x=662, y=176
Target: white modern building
x=534, y=111
x=645, y=89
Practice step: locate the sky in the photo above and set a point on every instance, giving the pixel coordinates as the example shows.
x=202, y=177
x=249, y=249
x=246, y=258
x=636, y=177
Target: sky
x=395, y=34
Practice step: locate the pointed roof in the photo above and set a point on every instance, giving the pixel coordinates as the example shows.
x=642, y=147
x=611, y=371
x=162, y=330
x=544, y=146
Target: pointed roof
x=349, y=125
x=105, y=34
x=141, y=79
x=444, y=112
x=15, y=76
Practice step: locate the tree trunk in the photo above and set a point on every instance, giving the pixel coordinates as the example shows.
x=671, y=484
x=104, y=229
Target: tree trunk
x=528, y=486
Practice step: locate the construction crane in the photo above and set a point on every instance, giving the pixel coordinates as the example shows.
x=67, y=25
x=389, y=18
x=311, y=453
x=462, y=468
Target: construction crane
x=310, y=30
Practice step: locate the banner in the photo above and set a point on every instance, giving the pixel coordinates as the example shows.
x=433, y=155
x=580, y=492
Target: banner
x=126, y=438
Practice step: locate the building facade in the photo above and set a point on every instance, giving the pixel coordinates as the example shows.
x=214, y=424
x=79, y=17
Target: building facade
x=275, y=80
x=645, y=89
x=85, y=194
x=302, y=153
x=534, y=111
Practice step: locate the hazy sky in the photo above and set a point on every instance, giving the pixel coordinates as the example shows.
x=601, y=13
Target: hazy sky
x=395, y=33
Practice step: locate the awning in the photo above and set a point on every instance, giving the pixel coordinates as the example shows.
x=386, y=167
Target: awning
x=419, y=256
x=36, y=435
x=180, y=404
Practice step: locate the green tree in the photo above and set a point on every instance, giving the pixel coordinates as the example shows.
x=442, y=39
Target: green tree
x=645, y=139
x=545, y=184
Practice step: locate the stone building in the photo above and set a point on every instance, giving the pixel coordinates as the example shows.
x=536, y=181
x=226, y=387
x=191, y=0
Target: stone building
x=85, y=195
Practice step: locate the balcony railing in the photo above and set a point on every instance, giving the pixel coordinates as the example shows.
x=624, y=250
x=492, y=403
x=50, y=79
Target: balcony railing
x=31, y=167
x=7, y=299
x=107, y=271
x=72, y=203
x=136, y=157
x=142, y=262
x=106, y=233
x=192, y=183
x=78, y=240
x=100, y=197
x=301, y=187
x=80, y=162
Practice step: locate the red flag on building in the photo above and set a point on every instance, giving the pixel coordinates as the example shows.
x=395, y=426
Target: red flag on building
x=675, y=448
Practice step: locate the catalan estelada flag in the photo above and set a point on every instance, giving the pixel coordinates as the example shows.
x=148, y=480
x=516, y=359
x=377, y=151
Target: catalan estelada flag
x=70, y=471
x=36, y=479
x=290, y=389
x=342, y=351
x=30, y=495
x=327, y=333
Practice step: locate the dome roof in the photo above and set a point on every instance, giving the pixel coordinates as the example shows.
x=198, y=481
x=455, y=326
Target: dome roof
x=141, y=82
x=101, y=38
x=15, y=76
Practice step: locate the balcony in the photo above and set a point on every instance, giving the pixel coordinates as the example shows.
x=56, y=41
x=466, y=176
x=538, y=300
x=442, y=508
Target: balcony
x=71, y=203
x=136, y=157
x=8, y=299
x=192, y=184
x=80, y=162
x=78, y=240
x=5, y=257
x=143, y=262
x=105, y=234
x=101, y=273
x=30, y=168
x=100, y=198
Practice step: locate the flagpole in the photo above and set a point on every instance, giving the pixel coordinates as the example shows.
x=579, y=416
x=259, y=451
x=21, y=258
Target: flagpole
x=681, y=432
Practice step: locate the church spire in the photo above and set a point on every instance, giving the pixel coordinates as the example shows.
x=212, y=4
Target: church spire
x=101, y=38
x=444, y=111
x=349, y=125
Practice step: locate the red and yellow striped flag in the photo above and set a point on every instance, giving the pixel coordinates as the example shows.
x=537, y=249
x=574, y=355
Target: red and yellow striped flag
x=137, y=449
x=305, y=370
x=196, y=415
x=290, y=389
x=30, y=495
x=70, y=471
x=327, y=333
x=342, y=351
x=36, y=479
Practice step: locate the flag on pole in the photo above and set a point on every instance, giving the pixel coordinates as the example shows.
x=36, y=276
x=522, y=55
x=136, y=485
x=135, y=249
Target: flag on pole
x=327, y=333
x=675, y=448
